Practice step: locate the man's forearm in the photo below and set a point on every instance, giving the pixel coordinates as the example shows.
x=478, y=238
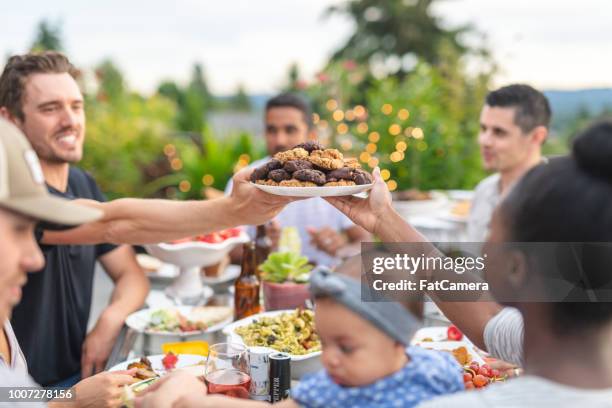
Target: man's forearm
x=139, y=221
x=130, y=293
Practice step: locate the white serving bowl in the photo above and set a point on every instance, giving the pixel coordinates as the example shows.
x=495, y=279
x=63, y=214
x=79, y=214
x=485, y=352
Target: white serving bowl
x=300, y=364
x=190, y=256
x=195, y=253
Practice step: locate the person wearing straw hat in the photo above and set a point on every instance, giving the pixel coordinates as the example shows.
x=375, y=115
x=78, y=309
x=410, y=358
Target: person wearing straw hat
x=24, y=200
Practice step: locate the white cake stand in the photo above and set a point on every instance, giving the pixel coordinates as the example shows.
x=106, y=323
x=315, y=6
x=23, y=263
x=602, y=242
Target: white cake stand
x=190, y=257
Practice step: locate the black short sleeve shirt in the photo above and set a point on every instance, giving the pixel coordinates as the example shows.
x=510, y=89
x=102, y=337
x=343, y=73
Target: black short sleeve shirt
x=51, y=320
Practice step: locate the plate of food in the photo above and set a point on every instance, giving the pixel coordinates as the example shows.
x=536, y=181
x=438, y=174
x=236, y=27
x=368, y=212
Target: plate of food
x=438, y=333
x=310, y=170
x=458, y=212
x=160, y=364
x=414, y=202
x=447, y=339
x=180, y=321
x=277, y=331
x=151, y=368
x=463, y=351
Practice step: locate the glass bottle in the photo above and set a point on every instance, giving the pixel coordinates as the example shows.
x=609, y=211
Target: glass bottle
x=246, y=287
x=263, y=246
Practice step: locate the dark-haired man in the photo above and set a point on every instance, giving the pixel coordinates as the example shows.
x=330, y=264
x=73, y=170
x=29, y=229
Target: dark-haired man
x=513, y=126
x=325, y=232
x=39, y=94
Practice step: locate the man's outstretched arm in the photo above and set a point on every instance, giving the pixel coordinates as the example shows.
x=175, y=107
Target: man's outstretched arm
x=142, y=221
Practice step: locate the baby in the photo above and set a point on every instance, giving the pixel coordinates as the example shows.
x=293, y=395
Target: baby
x=364, y=355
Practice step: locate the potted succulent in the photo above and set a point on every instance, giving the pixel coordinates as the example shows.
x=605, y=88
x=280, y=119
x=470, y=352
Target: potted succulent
x=285, y=276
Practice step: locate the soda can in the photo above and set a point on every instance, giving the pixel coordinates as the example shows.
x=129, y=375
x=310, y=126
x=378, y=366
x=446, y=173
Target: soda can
x=280, y=376
x=260, y=373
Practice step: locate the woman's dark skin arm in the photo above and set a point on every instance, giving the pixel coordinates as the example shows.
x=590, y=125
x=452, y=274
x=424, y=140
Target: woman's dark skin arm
x=377, y=215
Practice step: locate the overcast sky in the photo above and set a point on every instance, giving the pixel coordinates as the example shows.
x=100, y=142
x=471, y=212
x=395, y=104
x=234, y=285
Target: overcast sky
x=548, y=43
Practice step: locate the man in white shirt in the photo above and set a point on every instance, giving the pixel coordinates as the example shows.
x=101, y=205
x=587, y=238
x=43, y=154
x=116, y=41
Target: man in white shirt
x=326, y=233
x=513, y=126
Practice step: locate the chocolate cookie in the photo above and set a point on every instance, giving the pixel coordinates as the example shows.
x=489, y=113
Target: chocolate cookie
x=310, y=146
x=352, y=163
x=340, y=183
x=261, y=172
x=295, y=165
x=293, y=154
x=345, y=173
x=328, y=159
x=361, y=177
x=296, y=183
x=313, y=176
x=279, y=175
x=267, y=182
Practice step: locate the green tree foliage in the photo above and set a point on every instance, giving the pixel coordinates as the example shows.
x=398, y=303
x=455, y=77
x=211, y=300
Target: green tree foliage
x=208, y=162
x=427, y=130
x=48, y=37
x=560, y=143
x=111, y=83
x=240, y=101
x=199, y=86
x=395, y=32
x=126, y=135
x=193, y=101
x=170, y=90
x=397, y=95
x=190, y=116
x=294, y=81
x=421, y=128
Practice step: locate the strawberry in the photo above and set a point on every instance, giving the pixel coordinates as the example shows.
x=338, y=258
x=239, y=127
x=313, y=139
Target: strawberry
x=169, y=361
x=453, y=333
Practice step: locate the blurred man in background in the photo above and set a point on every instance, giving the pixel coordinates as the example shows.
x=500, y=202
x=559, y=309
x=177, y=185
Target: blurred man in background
x=513, y=126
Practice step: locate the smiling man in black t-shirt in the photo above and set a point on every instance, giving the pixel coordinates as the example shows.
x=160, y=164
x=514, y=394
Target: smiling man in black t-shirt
x=38, y=93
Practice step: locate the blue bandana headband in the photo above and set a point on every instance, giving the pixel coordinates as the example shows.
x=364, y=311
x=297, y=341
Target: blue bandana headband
x=390, y=317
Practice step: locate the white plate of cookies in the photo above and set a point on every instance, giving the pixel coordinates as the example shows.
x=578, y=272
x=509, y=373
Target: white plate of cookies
x=310, y=170
x=314, y=191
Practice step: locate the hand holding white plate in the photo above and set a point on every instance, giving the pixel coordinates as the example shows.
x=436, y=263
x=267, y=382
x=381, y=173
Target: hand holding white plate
x=323, y=191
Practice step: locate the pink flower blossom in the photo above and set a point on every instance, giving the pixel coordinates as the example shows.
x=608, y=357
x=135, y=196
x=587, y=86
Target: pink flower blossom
x=322, y=77
x=349, y=65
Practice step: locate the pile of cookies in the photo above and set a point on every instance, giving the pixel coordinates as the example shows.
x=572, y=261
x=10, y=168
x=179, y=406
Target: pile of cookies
x=310, y=165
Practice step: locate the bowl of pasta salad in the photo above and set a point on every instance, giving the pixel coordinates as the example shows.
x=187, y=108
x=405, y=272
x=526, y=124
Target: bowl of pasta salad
x=288, y=331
